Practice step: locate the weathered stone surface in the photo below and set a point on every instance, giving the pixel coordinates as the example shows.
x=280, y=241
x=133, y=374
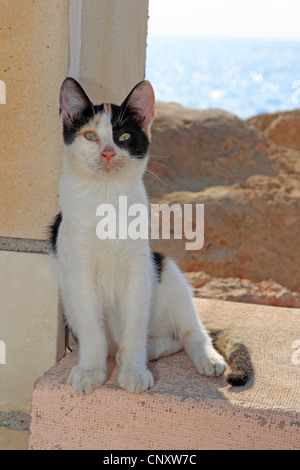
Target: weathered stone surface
x=266, y=292
x=16, y=420
x=250, y=231
x=281, y=128
x=203, y=148
x=264, y=414
x=247, y=175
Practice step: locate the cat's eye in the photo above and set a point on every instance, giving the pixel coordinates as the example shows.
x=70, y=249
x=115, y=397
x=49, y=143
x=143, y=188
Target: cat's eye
x=90, y=136
x=124, y=137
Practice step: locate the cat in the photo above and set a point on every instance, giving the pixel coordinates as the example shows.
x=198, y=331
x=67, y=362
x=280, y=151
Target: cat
x=119, y=298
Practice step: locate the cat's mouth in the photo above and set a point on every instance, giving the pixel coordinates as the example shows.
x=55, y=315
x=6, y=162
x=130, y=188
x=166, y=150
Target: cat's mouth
x=111, y=165
x=100, y=164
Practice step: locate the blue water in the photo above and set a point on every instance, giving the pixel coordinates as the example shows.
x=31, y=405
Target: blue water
x=245, y=77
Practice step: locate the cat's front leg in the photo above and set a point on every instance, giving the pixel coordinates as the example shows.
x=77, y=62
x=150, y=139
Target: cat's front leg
x=132, y=355
x=90, y=372
x=83, y=314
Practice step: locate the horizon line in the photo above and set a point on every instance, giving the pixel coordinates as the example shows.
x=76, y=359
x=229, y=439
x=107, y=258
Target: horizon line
x=203, y=36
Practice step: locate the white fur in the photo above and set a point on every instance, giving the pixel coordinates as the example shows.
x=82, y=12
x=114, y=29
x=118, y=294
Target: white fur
x=111, y=296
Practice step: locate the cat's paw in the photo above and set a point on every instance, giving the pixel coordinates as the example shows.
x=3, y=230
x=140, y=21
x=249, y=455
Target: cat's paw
x=209, y=362
x=85, y=381
x=135, y=381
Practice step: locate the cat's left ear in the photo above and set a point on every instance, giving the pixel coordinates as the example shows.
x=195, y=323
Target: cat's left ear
x=141, y=100
x=73, y=101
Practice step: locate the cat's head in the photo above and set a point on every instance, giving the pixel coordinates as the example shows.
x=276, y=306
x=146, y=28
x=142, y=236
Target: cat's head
x=106, y=141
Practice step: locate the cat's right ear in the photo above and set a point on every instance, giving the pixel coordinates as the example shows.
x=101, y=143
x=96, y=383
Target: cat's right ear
x=73, y=102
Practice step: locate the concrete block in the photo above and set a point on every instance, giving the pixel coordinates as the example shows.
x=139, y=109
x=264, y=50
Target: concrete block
x=28, y=325
x=184, y=410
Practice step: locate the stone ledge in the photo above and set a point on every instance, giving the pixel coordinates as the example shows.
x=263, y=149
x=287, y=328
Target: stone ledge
x=184, y=410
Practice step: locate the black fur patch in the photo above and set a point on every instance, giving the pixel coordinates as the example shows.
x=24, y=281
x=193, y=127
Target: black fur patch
x=158, y=259
x=124, y=120
x=53, y=231
x=69, y=133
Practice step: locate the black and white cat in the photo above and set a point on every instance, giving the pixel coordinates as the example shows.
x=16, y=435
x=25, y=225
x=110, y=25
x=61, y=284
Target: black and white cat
x=119, y=298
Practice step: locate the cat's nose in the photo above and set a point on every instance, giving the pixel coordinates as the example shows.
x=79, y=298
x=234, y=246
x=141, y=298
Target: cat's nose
x=108, y=154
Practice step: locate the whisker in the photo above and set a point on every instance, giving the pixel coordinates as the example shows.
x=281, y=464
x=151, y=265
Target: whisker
x=152, y=173
x=155, y=176
x=121, y=119
x=161, y=164
x=151, y=155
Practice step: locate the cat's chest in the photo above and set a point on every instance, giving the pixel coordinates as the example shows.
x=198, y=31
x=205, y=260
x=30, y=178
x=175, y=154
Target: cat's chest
x=106, y=225
x=114, y=221
x=112, y=245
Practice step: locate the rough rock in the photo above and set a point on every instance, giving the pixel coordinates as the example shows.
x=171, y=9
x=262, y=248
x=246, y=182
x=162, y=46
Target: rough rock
x=281, y=128
x=266, y=292
x=197, y=149
x=16, y=420
x=247, y=175
x=250, y=231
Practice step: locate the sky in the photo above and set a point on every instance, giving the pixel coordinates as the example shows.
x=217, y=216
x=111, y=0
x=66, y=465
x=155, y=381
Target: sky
x=272, y=19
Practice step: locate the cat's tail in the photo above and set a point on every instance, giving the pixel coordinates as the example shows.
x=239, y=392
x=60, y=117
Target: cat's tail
x=236, y=354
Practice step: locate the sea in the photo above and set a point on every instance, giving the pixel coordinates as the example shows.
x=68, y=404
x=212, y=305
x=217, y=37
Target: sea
x=243, y=76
